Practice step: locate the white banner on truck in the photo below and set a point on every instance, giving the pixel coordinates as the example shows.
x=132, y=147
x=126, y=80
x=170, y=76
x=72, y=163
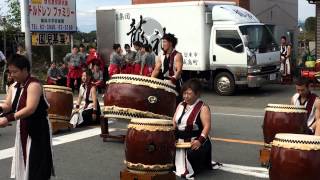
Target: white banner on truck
x=51, y=15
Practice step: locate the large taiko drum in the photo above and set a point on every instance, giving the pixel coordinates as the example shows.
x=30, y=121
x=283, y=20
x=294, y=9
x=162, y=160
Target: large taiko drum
x=133, y=96
x=281, y=118
x=61, y=104
x=150, y=146
x=295, y=157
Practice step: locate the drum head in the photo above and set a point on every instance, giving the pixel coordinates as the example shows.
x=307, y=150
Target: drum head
x=297, y=141
x=143, y=81
x=48, y=87
x=151, y=124
x=285, y=108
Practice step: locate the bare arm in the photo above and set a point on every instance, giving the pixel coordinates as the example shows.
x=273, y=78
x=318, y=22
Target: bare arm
x=205, y=116
x=179, y=62
x=289, y=51
x=157, y=68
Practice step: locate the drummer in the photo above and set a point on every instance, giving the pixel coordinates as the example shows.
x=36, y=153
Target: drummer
x=169, y=64
x=192, y=121
x=304, y=97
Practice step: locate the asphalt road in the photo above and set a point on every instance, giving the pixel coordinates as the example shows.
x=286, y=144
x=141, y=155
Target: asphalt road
x=234, y=117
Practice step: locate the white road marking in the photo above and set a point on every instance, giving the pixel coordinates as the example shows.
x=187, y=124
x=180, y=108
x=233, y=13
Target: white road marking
x=245, y=170
x=7, y=153
x=239, y=115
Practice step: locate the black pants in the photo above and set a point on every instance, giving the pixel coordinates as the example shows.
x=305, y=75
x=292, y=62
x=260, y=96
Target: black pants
x=200, y=159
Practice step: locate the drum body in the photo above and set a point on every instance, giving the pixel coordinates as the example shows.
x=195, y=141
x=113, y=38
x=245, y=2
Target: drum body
x=133, y=96
x=295, y=157
x=150, y=146
x=280, y=118
x=61, y=104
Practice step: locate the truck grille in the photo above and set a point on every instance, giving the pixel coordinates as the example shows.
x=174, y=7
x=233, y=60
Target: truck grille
x=268, y=68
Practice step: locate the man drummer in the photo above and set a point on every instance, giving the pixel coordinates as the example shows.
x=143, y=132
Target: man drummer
x=304, y=97
x=169, y=64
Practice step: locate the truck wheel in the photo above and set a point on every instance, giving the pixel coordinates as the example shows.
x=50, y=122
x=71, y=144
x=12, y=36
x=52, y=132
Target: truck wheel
x=224, y=84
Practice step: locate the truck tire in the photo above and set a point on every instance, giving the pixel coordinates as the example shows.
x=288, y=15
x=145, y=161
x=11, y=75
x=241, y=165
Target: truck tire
x=224, y=84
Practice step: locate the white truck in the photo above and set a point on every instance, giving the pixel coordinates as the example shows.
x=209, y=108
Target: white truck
x=221, y=42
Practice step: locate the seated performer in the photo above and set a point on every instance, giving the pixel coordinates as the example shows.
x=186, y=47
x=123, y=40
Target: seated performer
x=26, y=104
x=192, y=121
x=54, y=75
x=311, y=101
x=90, y=112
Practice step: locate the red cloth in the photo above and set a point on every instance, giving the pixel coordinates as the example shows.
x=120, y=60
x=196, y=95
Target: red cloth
x=50, y=81
x=74, y=73
x=137, y=69
x=113, y=69
x=147, y=70
x=127, y=69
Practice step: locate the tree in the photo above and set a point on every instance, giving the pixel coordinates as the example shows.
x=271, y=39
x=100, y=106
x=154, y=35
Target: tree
x=310, y=24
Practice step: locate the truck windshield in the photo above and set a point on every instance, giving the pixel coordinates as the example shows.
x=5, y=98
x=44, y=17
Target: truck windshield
x=259, y=38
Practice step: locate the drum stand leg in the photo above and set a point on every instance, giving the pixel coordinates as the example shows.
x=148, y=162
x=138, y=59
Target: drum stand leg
x=126, y=175
x=265, y=156
x=105, y=131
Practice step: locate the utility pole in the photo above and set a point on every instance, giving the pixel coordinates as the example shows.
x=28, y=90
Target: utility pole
x=27, y=34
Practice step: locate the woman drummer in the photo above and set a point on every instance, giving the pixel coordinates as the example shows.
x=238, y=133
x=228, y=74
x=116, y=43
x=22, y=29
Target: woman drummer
x=192, y=121
x=90, y=112
x=26, y=104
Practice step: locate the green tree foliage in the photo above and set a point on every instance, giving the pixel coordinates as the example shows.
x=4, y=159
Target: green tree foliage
x=14, y=14
x=310, y=24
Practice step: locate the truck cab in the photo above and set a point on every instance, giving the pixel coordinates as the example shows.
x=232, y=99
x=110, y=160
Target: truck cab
x=242, y=50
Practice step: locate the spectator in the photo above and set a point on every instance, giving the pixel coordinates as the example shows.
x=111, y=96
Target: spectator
x=54, y=75
x=129, y=59
x=148, y=62
x=75, y=71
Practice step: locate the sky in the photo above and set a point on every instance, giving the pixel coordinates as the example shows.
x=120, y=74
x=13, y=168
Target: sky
x=86, y=18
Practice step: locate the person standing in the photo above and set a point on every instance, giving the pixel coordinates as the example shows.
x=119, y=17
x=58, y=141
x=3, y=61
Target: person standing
x=148, y=62
x=129, y=59
x=169, y=65
x=116, y=60
x=26, y=104
x=285, y=55
x=83, y=55
x=75, y=71
x=138, y=58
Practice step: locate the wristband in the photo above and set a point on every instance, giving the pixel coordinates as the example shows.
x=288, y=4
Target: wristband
x=201, y=139
x=173, y=80
x=77, y=106
x=10, y=117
